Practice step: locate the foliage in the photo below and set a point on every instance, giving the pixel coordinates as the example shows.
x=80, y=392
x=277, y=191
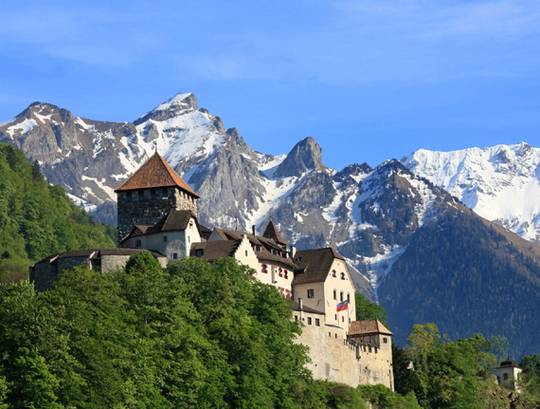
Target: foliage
x=530, y=383
x=37, y=219
x=194, y=335
x=383, y=397
x=369, y=310
x=444, y=374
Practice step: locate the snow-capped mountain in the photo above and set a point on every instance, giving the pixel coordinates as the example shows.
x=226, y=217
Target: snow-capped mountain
x=393, y=221
x=314, y=205
x=500, y=183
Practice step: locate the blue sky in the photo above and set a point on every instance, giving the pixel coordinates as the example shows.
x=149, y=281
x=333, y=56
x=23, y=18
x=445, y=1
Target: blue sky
x=370, y=80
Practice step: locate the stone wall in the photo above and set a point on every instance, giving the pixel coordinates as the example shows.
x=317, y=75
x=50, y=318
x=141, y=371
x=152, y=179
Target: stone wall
x=146, y=206
x=185, y=201
x=44, y=273
x=333, y=358
x=376, y=366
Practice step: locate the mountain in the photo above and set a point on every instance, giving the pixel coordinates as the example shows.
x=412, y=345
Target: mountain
x=380, y=218
x=500, y=183
x=469, y=276
x=37, y=219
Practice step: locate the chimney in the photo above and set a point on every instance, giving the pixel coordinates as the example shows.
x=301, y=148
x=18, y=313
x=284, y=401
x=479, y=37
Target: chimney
x=253, y=230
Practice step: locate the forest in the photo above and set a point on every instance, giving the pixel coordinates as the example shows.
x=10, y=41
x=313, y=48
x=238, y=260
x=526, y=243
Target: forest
x=37, y=219
x=201, y=335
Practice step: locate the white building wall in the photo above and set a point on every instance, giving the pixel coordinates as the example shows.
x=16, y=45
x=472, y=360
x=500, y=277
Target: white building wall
x=343, y=286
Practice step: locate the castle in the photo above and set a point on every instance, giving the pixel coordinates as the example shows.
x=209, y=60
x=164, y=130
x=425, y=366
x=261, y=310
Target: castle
x=157, y=211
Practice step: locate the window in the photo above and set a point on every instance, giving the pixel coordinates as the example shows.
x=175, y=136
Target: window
x=343, y=276
x=264, y=268
x=334, y=274
x=175, y=256
x=310, y=293
x=348, y=297
x=246, y=253
x=505, y=376
x=385, y=340
x=199, y=252
x=341, y=296
x=138, y=243
x=335, y=294
x=342, y=318
x=280, y=272
x=317, y=322
x=309, y=320
x=164, y=239
x=296, y=317
x=335, y=316
x=164, y=192
x=369, y=348
x=286, y=273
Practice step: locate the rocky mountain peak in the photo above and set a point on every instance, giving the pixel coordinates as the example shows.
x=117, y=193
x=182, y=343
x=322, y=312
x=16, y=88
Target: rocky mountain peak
x=179, y=104
x=304, y=156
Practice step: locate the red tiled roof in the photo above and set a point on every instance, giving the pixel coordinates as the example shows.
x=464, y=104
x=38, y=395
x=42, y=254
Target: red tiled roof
x=368, y=327
x=155, y=172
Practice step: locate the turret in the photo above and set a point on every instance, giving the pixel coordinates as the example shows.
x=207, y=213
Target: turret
x=150, y=193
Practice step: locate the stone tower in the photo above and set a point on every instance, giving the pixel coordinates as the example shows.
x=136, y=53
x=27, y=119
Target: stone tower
x=150, y=193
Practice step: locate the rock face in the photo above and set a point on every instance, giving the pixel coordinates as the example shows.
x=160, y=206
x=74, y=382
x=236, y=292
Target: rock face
x=389, y=221
x=304, y=157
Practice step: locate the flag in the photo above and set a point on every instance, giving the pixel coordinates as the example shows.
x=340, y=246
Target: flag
x=343, y=305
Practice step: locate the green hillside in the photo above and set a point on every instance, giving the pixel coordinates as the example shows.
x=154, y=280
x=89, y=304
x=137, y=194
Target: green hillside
x=37, y=219
x=467, y=275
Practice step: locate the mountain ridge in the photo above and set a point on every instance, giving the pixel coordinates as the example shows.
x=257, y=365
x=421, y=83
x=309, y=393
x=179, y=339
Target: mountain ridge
x=373, y=215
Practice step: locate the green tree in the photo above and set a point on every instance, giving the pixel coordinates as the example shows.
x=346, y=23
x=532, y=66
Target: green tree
x=369, y=310
x=37, y=219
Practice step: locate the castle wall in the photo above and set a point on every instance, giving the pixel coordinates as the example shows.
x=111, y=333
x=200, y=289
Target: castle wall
x=343, y=285
x=333, y=358
x=148, y=206
x=145, y=206
x=245, y=255
x=376, y=366
x=185, y=201
x=300, y=291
